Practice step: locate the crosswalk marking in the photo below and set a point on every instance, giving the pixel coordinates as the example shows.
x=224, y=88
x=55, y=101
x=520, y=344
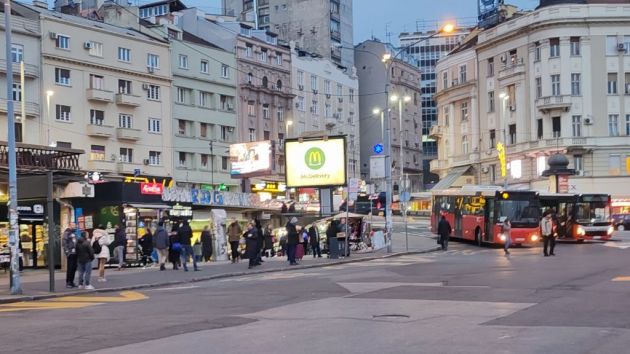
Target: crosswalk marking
x=621, y=278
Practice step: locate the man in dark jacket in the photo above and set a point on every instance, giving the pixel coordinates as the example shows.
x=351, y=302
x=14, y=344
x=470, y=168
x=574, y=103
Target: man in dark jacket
x=444, y=231
x=120, y=242
x=185, y=234
x=251, y=244
x=69, y=244
x=260, y=241
x=292, y=240
x=161, y=243
x=206, y=243
x=85, y=256
x=313, y=236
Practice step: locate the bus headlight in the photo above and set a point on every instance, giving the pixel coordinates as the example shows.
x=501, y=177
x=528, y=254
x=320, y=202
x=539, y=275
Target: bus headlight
x=502, y=237
x=581, y=231
x=534, y=238
x=610, y=230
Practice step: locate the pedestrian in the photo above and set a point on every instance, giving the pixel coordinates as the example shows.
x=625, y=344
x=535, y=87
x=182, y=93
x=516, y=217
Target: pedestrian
x=546, y=230
x=69, y=242
x=284, y=208
x=100, y=245
x=146, y=244
x=251, y=244
x=268, y=246
x=120, y=242
x=175, y=248
x=198, y=251
x=331, y=232
x=292, y=240
x=304, y=241
x=161, y=244
x=206, y=244
x=444, y=231
x=234, y=237
x=313, y=235
x=85, y=256
x=185, y=235
x=284, y=246
x=506, y=227
x=260, y=241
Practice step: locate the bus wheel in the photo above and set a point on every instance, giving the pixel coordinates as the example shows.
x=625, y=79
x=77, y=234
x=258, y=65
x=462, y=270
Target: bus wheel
x=478, y=237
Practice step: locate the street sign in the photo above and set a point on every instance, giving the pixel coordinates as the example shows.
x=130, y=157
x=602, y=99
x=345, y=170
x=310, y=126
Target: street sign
x=378, y=148
x=377, y=166
x=405, y=197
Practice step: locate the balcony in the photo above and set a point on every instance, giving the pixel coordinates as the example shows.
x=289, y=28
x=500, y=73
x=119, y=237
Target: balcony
x=101, y=165
x=99, y=95
x=128, y=134
x=127, y=167
x=436, y=132
x=128, y=100
x=99, y=131
x=32, y=109
x=436, y=165
x=331, y=122
x=30, y=70
x=551, y=103
x=512, y=69
x=336, y=35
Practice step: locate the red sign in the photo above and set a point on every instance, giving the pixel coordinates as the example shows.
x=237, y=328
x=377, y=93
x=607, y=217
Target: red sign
x=151, y=188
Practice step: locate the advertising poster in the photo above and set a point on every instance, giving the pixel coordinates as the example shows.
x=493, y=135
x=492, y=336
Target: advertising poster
x=316, y=163
x=250, y=159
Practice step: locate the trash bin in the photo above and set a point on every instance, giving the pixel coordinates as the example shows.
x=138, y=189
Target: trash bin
x=333, y=248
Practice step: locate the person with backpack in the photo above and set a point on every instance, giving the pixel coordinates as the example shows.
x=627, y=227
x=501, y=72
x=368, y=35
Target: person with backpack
x=100, y=245
x=85, y=256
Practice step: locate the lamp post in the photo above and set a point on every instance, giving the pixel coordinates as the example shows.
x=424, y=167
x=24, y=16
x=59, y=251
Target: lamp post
x=504, y=98
x=378, y=111
x=400, y=101
x=286, y=129
x=289, y=124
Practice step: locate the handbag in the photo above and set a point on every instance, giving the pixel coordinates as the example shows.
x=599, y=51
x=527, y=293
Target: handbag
x=176, y=247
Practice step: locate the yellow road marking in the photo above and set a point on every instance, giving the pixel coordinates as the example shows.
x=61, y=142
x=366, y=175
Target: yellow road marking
x=71, y=302
x=621, y=279
x=125, y=296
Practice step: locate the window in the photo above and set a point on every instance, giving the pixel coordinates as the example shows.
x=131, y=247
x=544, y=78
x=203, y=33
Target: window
x=445, y=80
x=539, y=128
x=462, y=74
x=627, y=124
x=611, y=45
x=126, y=155
x=612, y=83
x=491, y=101
x=97, y=117
x=262, y=56
x=538, y=87
x=96, y=49
x=97, y=152
x=313, y=82
x=577, y=125
x=554, y=47
x=351, y=94
x=125, y=121
x=556, y=126
x=265, y=111
x=265, y=82
x=575, y=85
x=512, y=137
x=613, y=125
x=204, y=99
x=280, y=115
x=250, y=78
x=124, y=87
x=155, y=125
x=155, y=158
x=204, y=67
x=252, y=134
x=493, y=173
x=537, y=51
x=225, y=133
x=315, y=107
x=64, y=145
x=300, y=103
x=153, y=61
x=183, y=61
x=516, y=169
x=203, y=130
x=251, y=109
x=327, y=88
x=327, y=111
x=446, y=115
x=464, y=110
x=279, y=85
x=555, y=85
x=97, y=82
x=249, y=49
x=578, y=163
x=541, y=165
x=226, y=102
x=62, y=113
x=124, y=54
x=626, y=45
x=490, y=68
x=627, y=84
x=224, y=163
x=279, y=60
x=225, y=71
x=62, y=42
x=465, y=145
x=181, y=95
x=614, y=165
x=182, y=126
x=204, y=160
x=300, y=78
x=340, y=91
x=493, y=139
x=153, y=93
x=281, y=139
x=17, y=92
x=17, y=53
x=575, y=46
x=182, y=159
x=62, y=76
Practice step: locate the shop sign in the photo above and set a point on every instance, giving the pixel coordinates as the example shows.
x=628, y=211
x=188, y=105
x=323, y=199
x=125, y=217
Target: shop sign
x=230, y=199
x=35, y=209
x=167, y=182
x=151, y=188
x=177, y=195
x=270, y=187
x=315, y=162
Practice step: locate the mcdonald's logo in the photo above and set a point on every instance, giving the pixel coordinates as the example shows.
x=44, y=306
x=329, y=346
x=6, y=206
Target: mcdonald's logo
x=315, y=158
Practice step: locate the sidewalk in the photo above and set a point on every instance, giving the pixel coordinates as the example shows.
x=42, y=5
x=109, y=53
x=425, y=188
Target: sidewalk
x=35, y=282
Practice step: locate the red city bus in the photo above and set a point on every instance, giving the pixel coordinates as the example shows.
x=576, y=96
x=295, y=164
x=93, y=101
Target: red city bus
x=580, y=216
x=475, y=213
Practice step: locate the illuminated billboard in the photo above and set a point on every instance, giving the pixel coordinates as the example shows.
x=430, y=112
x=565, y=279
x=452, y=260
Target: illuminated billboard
x=250, y=159
x=315, y=163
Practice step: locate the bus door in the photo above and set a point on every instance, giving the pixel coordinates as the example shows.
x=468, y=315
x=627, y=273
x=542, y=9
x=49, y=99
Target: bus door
x=489, y=214
x=459, y=205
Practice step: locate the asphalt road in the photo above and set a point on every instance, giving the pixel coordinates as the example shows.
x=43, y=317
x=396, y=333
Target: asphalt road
x=465, y=300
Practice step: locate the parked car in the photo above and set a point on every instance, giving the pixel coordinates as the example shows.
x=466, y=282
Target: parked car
x=621, y=222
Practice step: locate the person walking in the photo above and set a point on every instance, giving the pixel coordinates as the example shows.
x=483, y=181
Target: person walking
x=507, y=233
x=175, y=248
x=234, y=236
x=444, y=231
x=268, y=247
x=120, y=242
x=161, y=244
x=251, y=244
x=100, y=245
x=146, y=244
x=206, y=244
x=69, y=242
x=313, y=235
x=546, y=230
x=185, y=235
x=260, y=241
x=292, y=240
x=85, y=256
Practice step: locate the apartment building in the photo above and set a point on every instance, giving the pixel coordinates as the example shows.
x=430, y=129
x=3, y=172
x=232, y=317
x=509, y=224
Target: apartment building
x=401, y=77
x=110, y=90
x=327, y=102
x=552, y=80
x=317, y=26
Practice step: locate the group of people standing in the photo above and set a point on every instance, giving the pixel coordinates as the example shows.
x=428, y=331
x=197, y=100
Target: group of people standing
x=176, y=246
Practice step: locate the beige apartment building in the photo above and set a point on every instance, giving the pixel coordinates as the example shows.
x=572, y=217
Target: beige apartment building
x=556, y=79
x=110, y=91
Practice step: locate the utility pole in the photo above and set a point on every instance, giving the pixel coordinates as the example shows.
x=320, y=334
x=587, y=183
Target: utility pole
x=16, y=286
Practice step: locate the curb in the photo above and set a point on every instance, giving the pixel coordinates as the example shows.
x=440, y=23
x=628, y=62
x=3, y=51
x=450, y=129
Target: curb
x=206, y=278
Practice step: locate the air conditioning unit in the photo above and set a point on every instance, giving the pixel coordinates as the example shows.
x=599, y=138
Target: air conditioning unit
x=621, y=47
x=512, y=108
x=328, y=96
x=503, y=58
x=485, y=169
x=340, y=99
x=588, y=121
x=150, y=69
x=53, y=35
x=145, y=162
x=145, y=86
x=301, y=87
x=87, y=45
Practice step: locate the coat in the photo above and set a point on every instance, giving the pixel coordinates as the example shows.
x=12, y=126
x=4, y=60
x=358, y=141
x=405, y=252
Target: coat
x=268, y=240
x=120, y=238
x=251, y=242
x=85, y=253
x=444, y=228
x=101, y=236
x=546, y=226
x=293, y=238
x=160, y=239
x=69, y=242
x=206, y=242
x=234, y=232
x=185, y=234
x=313, y=235
x=146, y=242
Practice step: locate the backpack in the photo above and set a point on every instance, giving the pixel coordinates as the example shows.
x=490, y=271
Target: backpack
x=96, y=246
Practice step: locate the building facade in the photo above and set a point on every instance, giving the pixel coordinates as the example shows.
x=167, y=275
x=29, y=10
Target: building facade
x=326, y=102
x=402, y=78
x=554, y=80
x=317, y=26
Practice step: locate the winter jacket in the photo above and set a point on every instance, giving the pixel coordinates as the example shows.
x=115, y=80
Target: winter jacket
x=313, y=235
x=234, y=232
x=251, y=242
x=185, y=234
x=120, y=238
x=268, y=240
x=101, y=236
x=69, y=242
x=444, y=228
x=546, y=226
x=85, y=253
x=293, y=238
x=160, y=239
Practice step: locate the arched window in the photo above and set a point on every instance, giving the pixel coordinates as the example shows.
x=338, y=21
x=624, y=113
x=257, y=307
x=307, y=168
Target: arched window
x=264, y=81
x=250, y=78
x=279, y=85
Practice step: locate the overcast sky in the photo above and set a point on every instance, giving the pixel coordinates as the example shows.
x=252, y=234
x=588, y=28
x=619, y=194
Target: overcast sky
x=372, y=16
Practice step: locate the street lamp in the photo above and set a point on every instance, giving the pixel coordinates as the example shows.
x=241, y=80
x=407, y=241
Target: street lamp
x=289, y=123
x=400, y=100
x=504, y=98
x=378, y=111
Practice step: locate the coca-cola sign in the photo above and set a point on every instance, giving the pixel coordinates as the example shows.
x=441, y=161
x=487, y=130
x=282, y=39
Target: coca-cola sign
x=151, y=188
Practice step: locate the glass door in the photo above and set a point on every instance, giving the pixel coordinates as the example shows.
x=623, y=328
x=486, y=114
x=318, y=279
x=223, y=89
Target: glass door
x=489, y=216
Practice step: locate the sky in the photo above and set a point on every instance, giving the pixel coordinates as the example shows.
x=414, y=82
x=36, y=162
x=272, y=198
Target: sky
x=372, y=17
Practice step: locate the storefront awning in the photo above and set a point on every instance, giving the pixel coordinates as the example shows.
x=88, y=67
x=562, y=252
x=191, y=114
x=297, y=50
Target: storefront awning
x=149, y=206
x=450, y=178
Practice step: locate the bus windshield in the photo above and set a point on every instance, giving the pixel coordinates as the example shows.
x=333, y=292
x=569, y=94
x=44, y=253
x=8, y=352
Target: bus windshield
x=592, y=212
x=522, y=213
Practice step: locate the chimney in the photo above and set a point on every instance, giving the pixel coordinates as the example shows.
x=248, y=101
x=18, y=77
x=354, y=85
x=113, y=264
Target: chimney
x=119, y=15
x=41, y=4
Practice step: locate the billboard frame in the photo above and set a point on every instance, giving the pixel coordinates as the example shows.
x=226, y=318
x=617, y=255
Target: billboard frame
x=318, y=138
x=258, y=173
